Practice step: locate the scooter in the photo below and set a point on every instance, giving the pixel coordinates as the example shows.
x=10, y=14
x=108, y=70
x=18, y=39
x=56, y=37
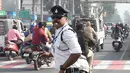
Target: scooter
x=11, y=50
x=117, y=44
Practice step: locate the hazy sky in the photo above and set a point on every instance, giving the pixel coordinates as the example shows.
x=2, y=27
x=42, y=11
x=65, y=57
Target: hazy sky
x=122, y=7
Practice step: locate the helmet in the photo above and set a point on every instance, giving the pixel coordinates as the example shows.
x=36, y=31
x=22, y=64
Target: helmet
x=15, y=27
x=40, y=24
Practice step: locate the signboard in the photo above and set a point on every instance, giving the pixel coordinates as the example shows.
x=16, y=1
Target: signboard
x=3, y=13
x=24, y=14
x=11, y=14
x=109, y=1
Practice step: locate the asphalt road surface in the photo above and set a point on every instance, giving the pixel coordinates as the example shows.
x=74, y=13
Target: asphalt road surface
x=106, y=61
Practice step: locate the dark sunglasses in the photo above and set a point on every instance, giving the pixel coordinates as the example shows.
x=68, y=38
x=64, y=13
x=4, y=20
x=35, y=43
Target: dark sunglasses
x=56, y=17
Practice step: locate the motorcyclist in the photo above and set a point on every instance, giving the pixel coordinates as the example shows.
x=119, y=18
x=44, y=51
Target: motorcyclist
x=39, y=36
x=126, y=30
x=126, y=27
x=15, y=36
x=30, y=30
x=117, y=31
x=47, y=32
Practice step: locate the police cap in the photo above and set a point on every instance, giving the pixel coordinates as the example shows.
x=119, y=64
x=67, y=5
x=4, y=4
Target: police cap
x=58, y=11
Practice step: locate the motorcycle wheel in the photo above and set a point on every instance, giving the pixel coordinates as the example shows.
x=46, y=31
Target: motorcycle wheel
x=28, y=60
x=97, y=48
x=117, y=49
x=48, y=61
x=37, y=64
x=102, y=46
x=10, y=57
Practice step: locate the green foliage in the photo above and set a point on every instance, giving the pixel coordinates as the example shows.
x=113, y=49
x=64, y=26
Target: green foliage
x=116, y=17
x=109, y=8
x=127, y=17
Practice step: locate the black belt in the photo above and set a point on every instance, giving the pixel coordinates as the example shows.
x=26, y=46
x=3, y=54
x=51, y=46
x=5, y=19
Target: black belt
x=75, y=70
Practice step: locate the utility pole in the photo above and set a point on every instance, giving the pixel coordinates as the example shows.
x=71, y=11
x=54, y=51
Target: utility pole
x=59, y=2
x=54, y=2
x=73, y=11
x=21, y=7
x=33, y=7
x=18, y=7
x=41, y=10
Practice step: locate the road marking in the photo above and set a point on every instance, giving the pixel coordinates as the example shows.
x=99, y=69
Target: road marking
x=124, y=51
x=97, y=64
x=126, y=65
x=8, y=62
x=103, y=65
x=116, y=65
x=21, y=66
x=11, y=65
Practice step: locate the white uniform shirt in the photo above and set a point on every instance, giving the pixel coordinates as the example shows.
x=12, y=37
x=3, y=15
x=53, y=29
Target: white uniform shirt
x=70, y=38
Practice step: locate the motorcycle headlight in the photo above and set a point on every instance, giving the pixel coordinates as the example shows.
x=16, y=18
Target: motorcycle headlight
x=116, y=43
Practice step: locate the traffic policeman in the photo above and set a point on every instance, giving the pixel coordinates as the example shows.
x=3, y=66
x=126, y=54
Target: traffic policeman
x=65, y=48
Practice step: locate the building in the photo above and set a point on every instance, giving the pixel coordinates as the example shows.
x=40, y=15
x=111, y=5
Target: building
x=28, y=4
x=0, y=4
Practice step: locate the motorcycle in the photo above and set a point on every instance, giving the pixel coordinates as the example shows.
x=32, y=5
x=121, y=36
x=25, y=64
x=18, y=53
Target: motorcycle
x=38, y=59
x=126, y=34
x=117, y=44
x=27, y=52
x=34, y=54
x=11, y=50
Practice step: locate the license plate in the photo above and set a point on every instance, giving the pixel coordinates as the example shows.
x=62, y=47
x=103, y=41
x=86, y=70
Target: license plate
x=35, y=52
x=26, y=55
x=6, y=51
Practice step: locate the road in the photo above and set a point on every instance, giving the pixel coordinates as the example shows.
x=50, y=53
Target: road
x=106, y=61
x=109, y=61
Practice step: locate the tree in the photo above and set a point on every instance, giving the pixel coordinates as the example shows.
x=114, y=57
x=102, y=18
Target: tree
x=116, y=17
x=126, y=17
x=109, y=8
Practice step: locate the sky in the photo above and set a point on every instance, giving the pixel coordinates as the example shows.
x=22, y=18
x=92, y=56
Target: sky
x=122, y=7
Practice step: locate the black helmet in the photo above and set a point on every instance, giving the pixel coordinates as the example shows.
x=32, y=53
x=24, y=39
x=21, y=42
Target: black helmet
x=40, y=24
x=15, y=27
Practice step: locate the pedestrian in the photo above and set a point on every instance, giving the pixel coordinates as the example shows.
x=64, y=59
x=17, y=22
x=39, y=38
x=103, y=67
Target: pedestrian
x=65, y=47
